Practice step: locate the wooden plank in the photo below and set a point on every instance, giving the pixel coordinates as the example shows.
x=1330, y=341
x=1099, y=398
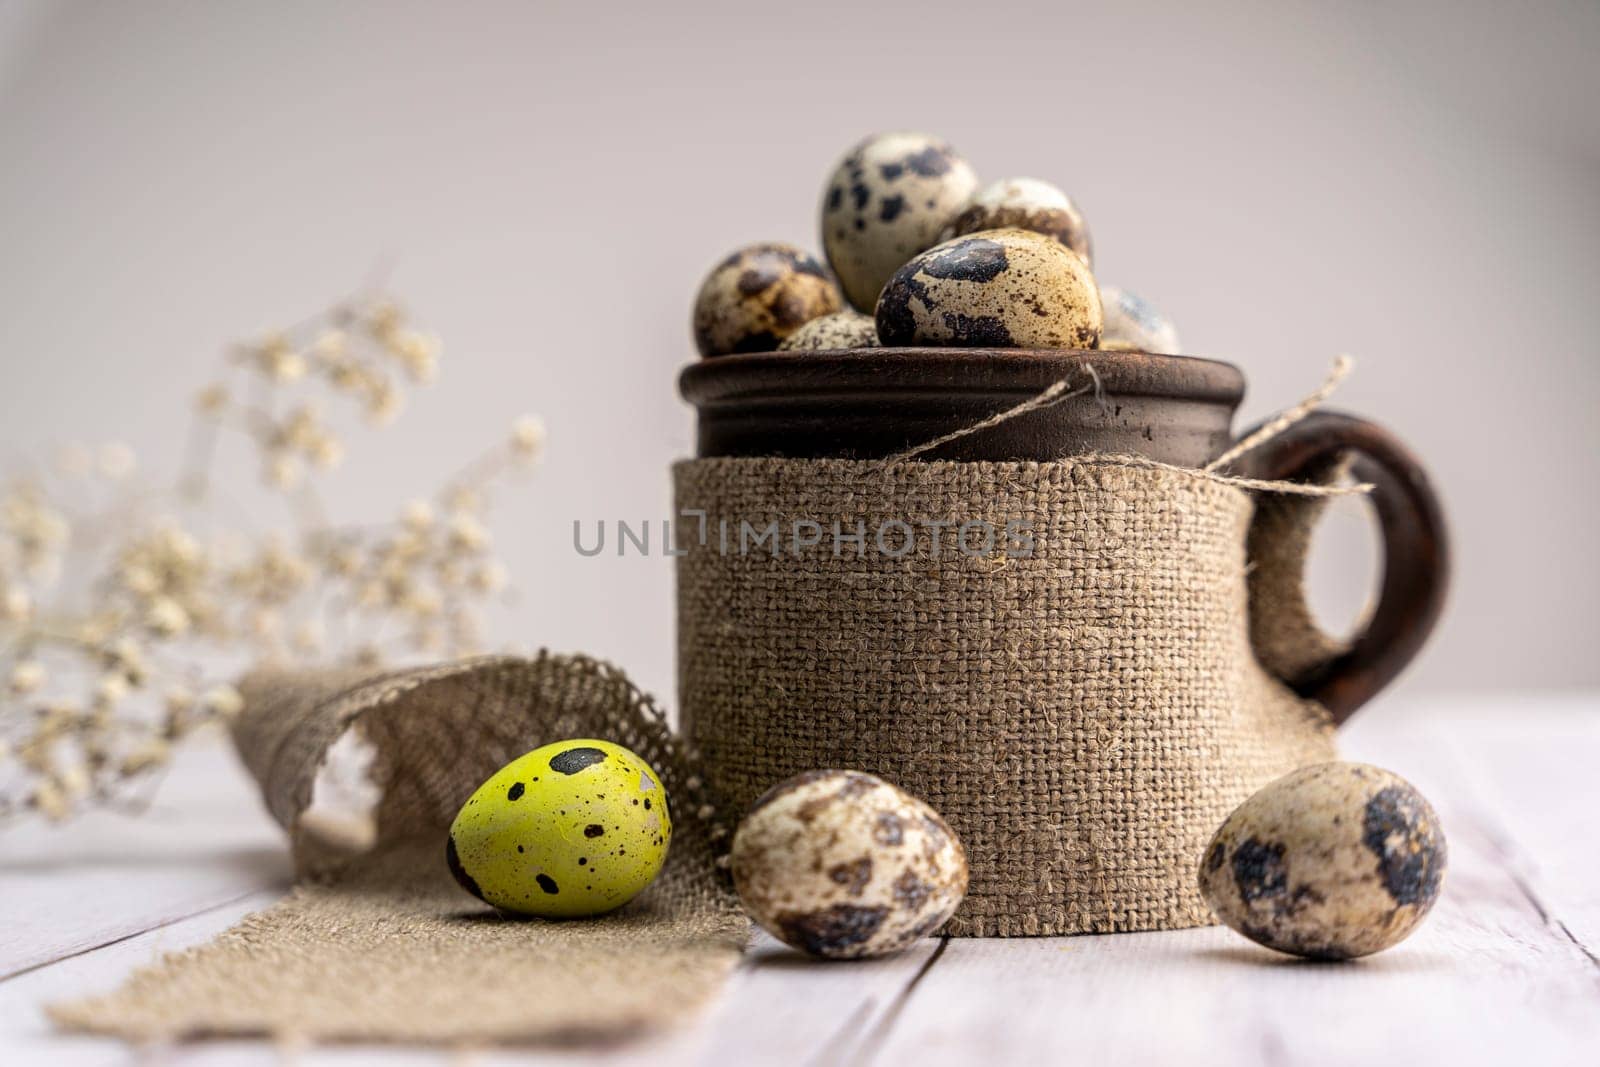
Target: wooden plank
x=26, y=1036
x=205, y=841
x=1531, y=765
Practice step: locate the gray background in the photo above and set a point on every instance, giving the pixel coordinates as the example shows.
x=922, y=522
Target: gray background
x=1416, y=185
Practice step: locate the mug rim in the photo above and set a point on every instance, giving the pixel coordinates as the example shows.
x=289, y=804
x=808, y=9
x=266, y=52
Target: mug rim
x=1019, y=372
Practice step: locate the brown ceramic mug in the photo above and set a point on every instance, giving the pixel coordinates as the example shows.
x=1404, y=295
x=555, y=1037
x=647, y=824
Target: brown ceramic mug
x=876, y=403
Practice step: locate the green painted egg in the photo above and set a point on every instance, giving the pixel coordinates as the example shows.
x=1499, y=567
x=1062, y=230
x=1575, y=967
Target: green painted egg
x=571, y=829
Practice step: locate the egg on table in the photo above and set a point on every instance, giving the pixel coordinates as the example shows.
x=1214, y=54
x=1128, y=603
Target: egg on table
x=1332, y=861
x=760, y=295
x=571, y=829
x=842, y=865
x=887, y=200
x=1024, y=204
x=843, y=329
x=993, y=289
x=1133, y=324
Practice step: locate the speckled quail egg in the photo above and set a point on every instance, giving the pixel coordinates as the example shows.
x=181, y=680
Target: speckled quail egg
x=1133, y=324
x=760, y=295
x=1333, y=861
x=1024, y=204
x=843, y=865
x=843, y=329
x=571, y=829
x=886, y=201
x=993, y=289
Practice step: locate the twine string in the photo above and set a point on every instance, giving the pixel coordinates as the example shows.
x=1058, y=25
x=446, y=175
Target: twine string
x=1061, y=391
x=1054, y=394
x=1342, y=365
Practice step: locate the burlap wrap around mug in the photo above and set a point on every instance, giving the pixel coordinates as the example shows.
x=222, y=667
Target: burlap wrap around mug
x=1083, y=709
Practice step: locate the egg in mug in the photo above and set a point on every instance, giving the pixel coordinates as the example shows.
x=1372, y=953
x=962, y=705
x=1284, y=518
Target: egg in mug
x=572, y=829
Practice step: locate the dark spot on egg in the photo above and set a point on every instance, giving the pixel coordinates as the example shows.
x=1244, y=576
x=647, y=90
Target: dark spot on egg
x=453, y=860
x=1259, y=870
x=911, y=892
x=548, y=884
x=1397, y=828
x=931, y=162
x=896, y=321
x=593, y=830
x=1215, y=857
x=854, y=875
x=753, y=280
x=810, y=266
x=860, y=194
x=646, y=804
x=888, y=830
x=791, y=310
x=519, y=848
x=977, y=259
x=835, y=198
x=891, y=207
x=978, y=331
x=830, y=931
x=515, y=792
x=891, y=171
x=574, y=760
x=583, y=861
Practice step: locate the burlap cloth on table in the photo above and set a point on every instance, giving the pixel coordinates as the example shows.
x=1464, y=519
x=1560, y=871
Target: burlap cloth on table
x=1084, y=718
x=386, y=947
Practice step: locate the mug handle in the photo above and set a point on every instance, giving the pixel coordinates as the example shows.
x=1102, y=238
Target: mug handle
x=1416, y=556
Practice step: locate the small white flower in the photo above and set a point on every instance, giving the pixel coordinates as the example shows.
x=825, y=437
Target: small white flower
x=27, y=676
x=283, y=471
x=111, y=690
x=331, y=346
x=167, y=617
x=468, y=533
x=223, y=700
x=418, y=515
x=489, y=578
x=17, y=605
x=527, y=437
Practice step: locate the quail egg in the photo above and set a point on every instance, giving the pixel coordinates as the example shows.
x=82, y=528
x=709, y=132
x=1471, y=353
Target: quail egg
x=1133, y=324
x=1024, y=204
x=843, y=329
x=886, y=201
x=760, y=295
x=994, y=289
x=571, y=829
x=1333, y=861
x=842, y=865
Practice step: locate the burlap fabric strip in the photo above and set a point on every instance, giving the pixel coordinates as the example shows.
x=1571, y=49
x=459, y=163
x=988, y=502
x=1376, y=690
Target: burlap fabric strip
x=384, y=946
x=1084, y=716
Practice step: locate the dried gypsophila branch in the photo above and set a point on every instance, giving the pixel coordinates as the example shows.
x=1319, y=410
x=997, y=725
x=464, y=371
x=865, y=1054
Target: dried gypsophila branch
x=117, y=618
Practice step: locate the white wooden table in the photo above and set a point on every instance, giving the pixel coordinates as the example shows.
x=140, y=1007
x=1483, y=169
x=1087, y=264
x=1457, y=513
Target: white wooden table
x=1507, y=970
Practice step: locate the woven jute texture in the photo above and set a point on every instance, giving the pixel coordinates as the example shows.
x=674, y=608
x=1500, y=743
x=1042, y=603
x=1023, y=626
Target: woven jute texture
x=384, y=946
x=1084, y=717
